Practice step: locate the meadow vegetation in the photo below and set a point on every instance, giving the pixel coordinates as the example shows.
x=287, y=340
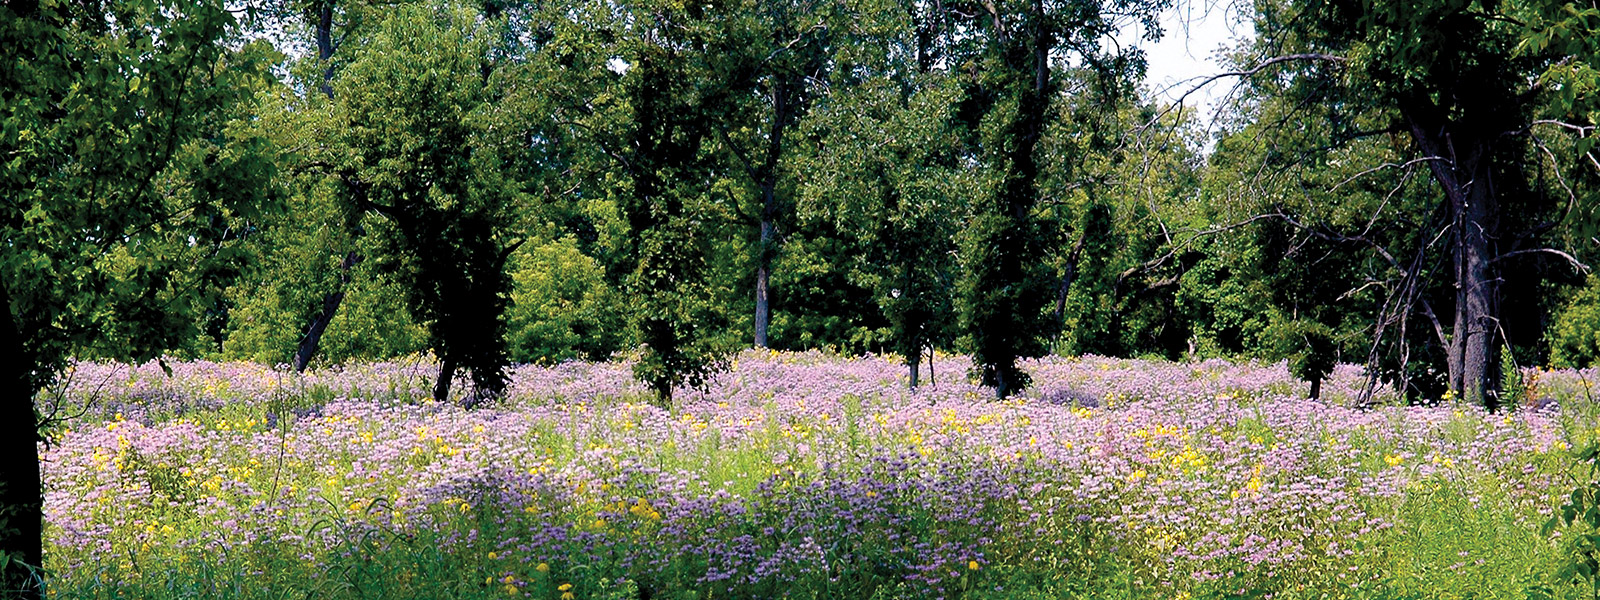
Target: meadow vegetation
x=804, y=475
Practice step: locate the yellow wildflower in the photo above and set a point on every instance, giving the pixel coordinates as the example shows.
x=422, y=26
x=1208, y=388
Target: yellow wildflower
x=972, y=564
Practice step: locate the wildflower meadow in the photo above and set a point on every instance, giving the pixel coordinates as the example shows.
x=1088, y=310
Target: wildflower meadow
x=802, y=475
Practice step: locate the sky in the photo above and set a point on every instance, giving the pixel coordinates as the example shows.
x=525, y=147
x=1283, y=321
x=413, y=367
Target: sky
x=1194, y=32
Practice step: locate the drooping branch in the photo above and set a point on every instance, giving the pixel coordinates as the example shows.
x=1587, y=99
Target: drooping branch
x=1572, y=260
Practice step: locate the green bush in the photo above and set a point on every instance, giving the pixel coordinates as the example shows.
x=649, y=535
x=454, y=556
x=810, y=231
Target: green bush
x=1575, y=334
x=561, y=307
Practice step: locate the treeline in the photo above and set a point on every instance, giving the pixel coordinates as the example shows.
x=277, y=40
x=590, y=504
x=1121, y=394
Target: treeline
x=536, y=182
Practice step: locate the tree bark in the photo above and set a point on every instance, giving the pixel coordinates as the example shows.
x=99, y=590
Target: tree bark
x=319, y=323
x=447, y=373
x=21, y=493
x=914, y=364
x=325, y=44
x=763, y=278
x=1068, y=274
x=768, y=180
x=1478, y=292
x=1464, y=171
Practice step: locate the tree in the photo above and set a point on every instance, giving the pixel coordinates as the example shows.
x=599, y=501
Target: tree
x=631, y=84
x=321, y=233
x=561, y=308
x=1125, y=211
x=418, y=116
x=129, y=161
x=1014, y=49
x=887, y=173
x=1445, y=75
x=773, y=54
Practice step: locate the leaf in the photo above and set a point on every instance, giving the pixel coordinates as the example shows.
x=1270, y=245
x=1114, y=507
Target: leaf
x=1583, y=146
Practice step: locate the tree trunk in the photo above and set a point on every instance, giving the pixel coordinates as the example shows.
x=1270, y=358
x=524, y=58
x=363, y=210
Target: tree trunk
x=1464, y=170
x=21, y=493
x=763, y=278
x=1068, y=274
x=1316, y=388
x=913, y=365
x=767, y=178
x=1477, y=293
x=447, y=373
x=325, y=44
x=319, y=323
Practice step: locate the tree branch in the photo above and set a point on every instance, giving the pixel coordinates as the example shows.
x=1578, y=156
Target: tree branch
x=1576, y=264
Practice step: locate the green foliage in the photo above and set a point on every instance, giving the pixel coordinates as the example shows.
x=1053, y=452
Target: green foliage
x=1574, y=335
x=561, y=306
x=417, y=107
x=129, y=173
x=644, y=108
x=1580, y=518
x=886, y=172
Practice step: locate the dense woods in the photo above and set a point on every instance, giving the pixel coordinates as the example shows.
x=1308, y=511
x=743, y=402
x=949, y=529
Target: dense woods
x=1406, y=186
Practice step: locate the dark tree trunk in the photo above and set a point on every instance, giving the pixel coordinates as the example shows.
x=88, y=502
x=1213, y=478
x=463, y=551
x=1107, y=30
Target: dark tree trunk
x=325, y=44
x=1068, y=274
x=20, y=490
x=331, y=301
x=913, y=364
x=319, y=323
x=1464, y=171
x=767, y=178
x=1316, y=388
x=1002, y=387
x=447, y=374
x=1478, y=292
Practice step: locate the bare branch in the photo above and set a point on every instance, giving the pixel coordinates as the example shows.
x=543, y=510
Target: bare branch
x=1276, y=60
x=1382, y=167
x=1576, y=264
x=1581, y=129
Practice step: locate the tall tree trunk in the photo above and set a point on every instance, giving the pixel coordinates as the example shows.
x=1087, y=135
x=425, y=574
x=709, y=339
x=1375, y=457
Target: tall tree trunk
x=1477, y=292
x=767, y=178
x=319, y=323
x=20, y=490
x=447, y=373
x=1463, y=168
x=330, y=302
x=764, y=275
